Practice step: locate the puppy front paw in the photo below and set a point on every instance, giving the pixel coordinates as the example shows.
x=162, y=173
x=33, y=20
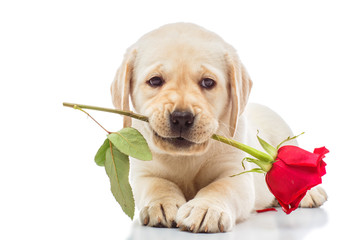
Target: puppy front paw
x=161, y=213
x=199, y=215
x=315, y=197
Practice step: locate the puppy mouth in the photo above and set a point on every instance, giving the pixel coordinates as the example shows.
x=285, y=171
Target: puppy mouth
x=179, y=141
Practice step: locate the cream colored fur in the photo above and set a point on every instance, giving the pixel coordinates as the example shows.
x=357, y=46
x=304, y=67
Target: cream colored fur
x=190, y=187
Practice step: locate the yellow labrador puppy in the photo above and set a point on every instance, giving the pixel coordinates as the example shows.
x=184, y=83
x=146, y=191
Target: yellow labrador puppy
x=191, y=84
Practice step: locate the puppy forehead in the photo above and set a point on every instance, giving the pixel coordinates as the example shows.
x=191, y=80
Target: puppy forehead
x=174, y=59
x=180, y=52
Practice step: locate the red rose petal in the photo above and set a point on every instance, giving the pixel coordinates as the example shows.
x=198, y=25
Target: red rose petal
x=288, y=208
x=288, y=183
x=266, y=210
x=321, y=151
x=321, y=168
x=293, y=155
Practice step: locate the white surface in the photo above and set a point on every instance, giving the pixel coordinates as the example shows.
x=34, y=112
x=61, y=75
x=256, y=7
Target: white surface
x=302, y=224
x=302, y=56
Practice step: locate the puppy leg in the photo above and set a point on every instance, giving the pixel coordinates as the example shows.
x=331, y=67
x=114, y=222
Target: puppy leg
x=158, y=200
x=218, y=206
x=315, y=197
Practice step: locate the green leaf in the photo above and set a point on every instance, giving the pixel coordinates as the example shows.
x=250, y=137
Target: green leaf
x=117, y=168
x=130, y=142
x=272, y=151
x=101, y=153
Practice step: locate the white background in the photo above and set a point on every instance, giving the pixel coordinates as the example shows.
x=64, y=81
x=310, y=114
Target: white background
x=303, y=57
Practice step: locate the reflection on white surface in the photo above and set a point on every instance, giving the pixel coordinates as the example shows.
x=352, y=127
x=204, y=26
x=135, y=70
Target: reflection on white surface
x=269, y=225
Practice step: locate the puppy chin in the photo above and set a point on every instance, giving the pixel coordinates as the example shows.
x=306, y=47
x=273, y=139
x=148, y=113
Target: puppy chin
x=178, y=146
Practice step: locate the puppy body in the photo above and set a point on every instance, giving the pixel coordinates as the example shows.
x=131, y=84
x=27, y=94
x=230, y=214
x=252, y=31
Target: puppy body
x=169, y=181
x=187, y=183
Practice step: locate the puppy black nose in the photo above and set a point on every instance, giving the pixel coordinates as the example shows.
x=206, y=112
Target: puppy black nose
x=181, y=120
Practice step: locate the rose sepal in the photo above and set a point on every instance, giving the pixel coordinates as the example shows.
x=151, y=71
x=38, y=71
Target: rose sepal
x=288, y=139
x=255, y=170
x=265, y=166
x=270, y=149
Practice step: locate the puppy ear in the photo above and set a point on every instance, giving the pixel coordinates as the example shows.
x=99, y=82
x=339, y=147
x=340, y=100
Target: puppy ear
x=120, y=87
x=240, y=87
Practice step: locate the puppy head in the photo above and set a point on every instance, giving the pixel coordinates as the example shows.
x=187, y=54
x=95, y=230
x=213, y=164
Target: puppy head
x=188, y=81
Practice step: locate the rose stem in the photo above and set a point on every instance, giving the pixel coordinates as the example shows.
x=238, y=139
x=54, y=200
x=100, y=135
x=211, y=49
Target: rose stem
x=252, y=151
x=110, y=110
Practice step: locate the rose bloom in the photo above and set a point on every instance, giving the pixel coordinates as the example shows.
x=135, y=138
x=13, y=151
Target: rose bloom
x=294, y=172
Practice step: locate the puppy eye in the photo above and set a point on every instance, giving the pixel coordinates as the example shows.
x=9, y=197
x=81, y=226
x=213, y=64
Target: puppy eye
x=207, y=83
x=155, y=82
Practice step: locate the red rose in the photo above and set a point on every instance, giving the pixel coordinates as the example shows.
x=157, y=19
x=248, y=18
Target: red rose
x=294, y=172
x=290, y=171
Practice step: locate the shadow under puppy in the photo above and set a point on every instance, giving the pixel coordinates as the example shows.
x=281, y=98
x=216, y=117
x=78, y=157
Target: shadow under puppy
x=190, y=83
